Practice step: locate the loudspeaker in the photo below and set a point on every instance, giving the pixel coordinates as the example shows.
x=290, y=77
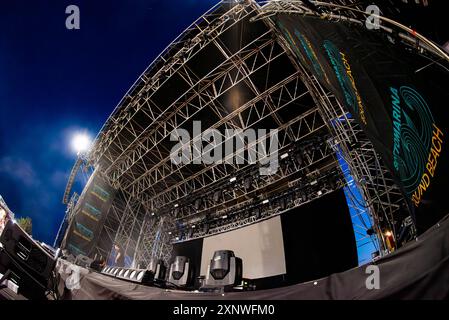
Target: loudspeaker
x=26, y=258
x=181, y=272
x=225, y=270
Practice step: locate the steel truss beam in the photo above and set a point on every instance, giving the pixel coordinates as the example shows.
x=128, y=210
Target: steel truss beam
x=301, y=127
x=382, y=197
x=183, y=110
x=232, y=195
x=154, y=241
x=289, y=198
x=204, y=32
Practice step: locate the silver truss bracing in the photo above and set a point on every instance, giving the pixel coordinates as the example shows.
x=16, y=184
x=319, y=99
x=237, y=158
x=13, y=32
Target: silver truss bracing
x=123, y=148
x=155, y=240
x=204, y=30
x=155, y=195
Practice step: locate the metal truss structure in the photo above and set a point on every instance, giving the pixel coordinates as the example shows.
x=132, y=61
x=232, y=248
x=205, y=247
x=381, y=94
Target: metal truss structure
x=382, y=197
x=242, y=87
x=231, y=71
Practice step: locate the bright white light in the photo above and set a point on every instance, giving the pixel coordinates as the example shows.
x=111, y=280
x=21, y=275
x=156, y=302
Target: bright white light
x=388, y=234
x=176, y=205
x=81, y=142
x=285, y=155
x=233, y=179
x=265, y=201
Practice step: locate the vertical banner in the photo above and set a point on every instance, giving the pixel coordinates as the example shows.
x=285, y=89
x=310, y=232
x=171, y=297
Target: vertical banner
x=90, y=213
x=397, y=94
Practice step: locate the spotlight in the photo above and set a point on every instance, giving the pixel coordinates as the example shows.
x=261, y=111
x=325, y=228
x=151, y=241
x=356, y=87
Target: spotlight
x=217, y=195
x=285, y=155
x=81, y=142
x=388, y=234
x=265, y=201
x=198, y=204
x=233, y=179
x=181, y=272
x=224, y=271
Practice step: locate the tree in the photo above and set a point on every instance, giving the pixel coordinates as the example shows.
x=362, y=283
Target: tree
x=26, y=224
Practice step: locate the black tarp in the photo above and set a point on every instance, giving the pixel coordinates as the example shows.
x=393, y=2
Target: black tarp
x=419, y=270
x=318, y=239
x=399, y=104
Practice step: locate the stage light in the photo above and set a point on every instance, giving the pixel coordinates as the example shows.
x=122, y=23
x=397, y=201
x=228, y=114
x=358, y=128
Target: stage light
x=388, y=234
x=285, y=155
x=224, y=271
x=176, y=205
x=233, y=179
x=81, y=142
x=265, y=201
x=152, y=213
x=169, y=232
x=224, y=217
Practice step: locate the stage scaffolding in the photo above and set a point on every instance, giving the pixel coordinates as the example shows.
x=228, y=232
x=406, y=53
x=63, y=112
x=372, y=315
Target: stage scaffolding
x=250, y=78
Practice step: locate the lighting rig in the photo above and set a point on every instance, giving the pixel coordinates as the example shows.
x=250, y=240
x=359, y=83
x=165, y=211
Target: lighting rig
x=205, y=215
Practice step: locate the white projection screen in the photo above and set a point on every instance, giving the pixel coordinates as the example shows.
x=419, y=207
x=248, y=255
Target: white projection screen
x=260, y=246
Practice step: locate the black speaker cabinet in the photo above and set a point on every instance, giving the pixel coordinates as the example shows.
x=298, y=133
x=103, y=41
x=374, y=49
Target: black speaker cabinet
x=25, y=257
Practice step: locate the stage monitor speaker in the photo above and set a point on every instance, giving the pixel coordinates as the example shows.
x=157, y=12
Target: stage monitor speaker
x=181, y=272
x=26, y=257
x=224, y=270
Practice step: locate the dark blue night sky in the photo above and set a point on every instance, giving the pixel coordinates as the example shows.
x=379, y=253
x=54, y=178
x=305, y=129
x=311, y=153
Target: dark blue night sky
x=55, y=82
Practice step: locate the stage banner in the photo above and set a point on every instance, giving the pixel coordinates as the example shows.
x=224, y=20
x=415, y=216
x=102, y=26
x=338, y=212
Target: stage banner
x=397, y=95
x=90, y=213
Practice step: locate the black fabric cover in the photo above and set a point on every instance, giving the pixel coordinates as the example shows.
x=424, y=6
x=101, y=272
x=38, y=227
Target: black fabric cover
x=419, y=270
x=318, y=239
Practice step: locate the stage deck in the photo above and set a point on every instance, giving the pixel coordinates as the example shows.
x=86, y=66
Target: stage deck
x=420, y=270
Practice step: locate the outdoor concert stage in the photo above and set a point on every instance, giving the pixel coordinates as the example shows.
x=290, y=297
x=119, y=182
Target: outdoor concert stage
x=416, y=271
x=353, y=121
